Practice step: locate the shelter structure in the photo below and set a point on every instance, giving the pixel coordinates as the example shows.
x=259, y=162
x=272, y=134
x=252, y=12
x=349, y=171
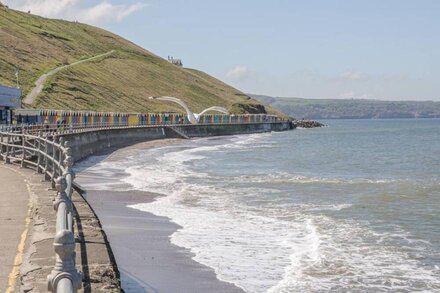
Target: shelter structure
x=10, y=99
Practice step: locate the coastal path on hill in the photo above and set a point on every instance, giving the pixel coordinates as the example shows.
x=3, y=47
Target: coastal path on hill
x=40, y=81
x=14, y=221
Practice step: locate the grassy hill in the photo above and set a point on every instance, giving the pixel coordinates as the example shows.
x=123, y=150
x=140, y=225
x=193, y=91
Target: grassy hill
x=121, y=81
x=361, y=109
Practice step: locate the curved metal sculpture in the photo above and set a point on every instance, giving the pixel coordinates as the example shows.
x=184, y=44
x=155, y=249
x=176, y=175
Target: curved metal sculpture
x=214, y=108
x=192, y=117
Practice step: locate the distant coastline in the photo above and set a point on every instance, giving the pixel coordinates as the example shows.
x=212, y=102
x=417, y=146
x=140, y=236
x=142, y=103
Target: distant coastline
x=351, y=108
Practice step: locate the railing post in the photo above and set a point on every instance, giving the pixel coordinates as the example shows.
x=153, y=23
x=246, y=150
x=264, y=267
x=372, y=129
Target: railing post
x=70, y=176
x=8, y=139
x=64, y=245
x=52, y=156
x=46, y=161
x=13, y=146
x=38, y=143
x=60, y=155
x=23, y=143
x=68, y=160
x=54, y=168
x=1, y=143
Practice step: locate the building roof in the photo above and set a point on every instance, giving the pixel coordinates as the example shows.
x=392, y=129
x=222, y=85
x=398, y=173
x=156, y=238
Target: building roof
x=10, y=97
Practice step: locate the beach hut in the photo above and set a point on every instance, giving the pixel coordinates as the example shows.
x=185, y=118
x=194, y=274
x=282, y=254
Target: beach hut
x=133, y=119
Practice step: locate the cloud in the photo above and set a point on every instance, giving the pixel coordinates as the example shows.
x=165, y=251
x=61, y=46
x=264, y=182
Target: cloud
x=106, y=12
x=353, y=75
x=238, y=72
x=101, y=12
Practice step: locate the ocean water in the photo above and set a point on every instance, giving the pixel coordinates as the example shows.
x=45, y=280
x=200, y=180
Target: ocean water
x=354, y=206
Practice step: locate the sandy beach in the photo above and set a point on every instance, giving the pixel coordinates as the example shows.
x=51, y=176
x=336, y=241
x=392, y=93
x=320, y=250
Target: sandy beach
x=147, y=260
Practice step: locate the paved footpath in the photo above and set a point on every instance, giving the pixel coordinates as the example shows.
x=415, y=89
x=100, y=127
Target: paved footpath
x=14, y=222
x=26, y=236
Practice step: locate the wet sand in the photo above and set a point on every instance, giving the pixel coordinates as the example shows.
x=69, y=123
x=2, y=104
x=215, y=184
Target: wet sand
x=147, y=260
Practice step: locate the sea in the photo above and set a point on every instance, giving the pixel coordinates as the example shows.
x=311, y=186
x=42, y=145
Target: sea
x=350, y=207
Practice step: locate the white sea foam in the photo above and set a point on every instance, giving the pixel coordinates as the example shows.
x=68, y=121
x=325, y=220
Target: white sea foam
x=244, y=248
x=327, y=207
x=282, y=177
x=352, y=258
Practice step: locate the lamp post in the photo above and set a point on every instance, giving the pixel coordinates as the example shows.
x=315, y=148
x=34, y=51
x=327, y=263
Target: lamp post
x=16, y=77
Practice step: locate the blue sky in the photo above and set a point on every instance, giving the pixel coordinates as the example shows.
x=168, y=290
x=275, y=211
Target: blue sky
x=380, y=49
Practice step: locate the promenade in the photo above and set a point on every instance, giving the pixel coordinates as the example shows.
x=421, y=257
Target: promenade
x=14, y=221
x=26, y=236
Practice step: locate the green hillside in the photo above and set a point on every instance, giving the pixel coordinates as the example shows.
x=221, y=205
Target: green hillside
x=121, y=81
x=351, y=109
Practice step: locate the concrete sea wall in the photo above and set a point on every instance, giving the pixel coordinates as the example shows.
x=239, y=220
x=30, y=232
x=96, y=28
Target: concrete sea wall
x=230, y=129
x=87, y=143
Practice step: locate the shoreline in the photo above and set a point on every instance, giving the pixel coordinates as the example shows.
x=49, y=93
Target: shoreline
x=140, y=241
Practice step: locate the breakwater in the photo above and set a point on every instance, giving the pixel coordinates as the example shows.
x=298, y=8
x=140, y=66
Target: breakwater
x=307, y=123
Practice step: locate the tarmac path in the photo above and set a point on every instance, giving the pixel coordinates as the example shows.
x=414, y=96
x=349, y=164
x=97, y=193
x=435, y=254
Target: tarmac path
x=40, y=82
x=14, y=222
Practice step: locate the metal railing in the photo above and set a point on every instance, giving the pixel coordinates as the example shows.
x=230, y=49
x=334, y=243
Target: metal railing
x=52, y=157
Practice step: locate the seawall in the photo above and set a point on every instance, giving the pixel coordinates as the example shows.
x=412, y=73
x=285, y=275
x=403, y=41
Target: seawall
x=87, y=143
x=230, y=129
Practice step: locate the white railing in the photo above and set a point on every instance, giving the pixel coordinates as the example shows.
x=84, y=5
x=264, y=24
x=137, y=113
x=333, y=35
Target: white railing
x=53, y=158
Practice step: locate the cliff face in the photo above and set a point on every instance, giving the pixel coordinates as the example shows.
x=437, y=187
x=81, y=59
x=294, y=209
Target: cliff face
x=120, y=81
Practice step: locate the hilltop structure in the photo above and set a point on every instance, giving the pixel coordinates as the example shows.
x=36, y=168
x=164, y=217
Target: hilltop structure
x=177, y=62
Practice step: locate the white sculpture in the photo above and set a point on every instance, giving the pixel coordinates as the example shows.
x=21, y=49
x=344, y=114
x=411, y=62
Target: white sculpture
x=193, y=118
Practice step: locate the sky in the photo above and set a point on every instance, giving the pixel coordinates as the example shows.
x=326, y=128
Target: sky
x=353, y=49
